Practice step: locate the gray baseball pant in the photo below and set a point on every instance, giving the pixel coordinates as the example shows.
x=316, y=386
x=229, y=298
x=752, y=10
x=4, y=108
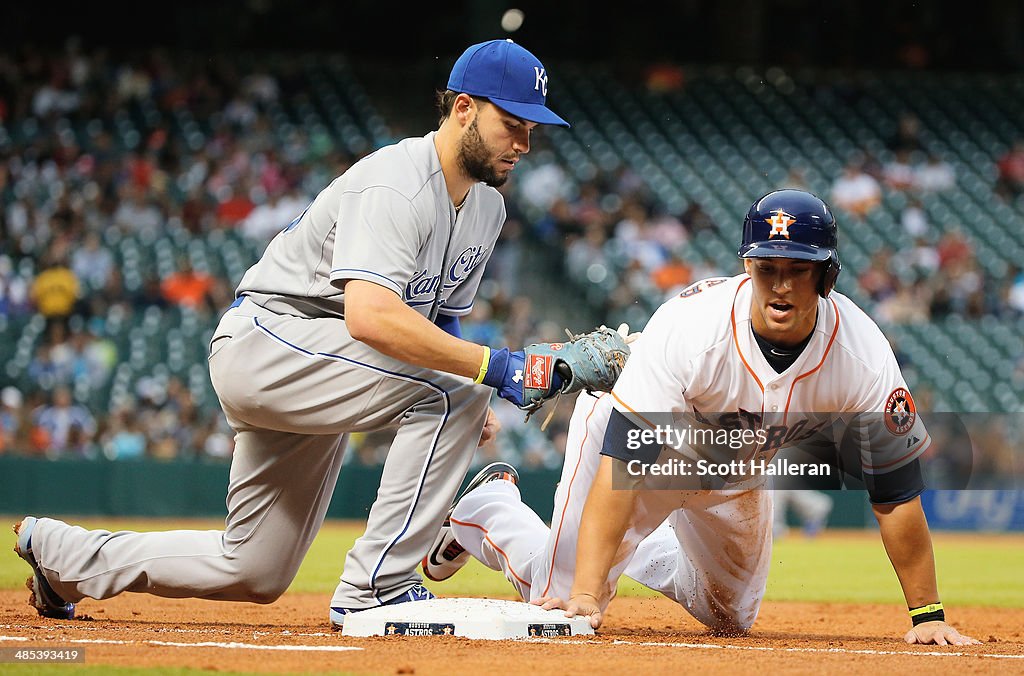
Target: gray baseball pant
x=292, y=389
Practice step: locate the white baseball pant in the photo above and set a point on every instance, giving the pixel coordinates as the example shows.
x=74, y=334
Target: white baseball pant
x=707, y=550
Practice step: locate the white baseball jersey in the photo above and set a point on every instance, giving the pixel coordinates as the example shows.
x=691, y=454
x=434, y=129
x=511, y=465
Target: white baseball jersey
x=709, y=550
x=698, y=360
x=389, y=220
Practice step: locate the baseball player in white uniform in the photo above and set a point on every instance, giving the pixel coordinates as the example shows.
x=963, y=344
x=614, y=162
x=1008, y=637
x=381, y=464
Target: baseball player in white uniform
x=772, y=358
x=348, y=323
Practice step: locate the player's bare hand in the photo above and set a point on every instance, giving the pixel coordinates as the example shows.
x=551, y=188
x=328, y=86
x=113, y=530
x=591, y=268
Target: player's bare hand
x=580, y=604
x=938, y=633
x=491, y=427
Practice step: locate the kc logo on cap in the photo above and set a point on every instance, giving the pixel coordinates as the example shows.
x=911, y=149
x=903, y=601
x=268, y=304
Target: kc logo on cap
x=508, y=76
x=542, y=81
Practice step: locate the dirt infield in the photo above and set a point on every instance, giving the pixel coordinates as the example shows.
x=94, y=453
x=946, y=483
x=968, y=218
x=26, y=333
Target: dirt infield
x=291, y=635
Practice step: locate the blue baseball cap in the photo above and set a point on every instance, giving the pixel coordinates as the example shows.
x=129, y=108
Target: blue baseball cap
x=508, y=76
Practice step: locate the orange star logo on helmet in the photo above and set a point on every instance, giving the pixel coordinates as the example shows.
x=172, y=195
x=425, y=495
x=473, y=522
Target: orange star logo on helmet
x=780, y=223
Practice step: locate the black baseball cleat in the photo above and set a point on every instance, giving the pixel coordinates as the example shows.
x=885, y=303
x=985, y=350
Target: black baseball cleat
x=46, y=601
x=446, y=556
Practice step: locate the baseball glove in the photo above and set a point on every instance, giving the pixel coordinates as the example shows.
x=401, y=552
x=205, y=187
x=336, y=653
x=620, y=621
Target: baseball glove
x=589, y=361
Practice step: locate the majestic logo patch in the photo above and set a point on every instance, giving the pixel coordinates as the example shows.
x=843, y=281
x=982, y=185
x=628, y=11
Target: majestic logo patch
x=900, y=411
x=780, y=223
x=538, y=371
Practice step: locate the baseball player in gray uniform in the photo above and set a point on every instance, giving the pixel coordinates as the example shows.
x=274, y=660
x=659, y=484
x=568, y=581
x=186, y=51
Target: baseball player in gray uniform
x=348, y=323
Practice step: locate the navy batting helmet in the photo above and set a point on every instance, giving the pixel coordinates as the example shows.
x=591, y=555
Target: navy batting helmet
x=793, y=224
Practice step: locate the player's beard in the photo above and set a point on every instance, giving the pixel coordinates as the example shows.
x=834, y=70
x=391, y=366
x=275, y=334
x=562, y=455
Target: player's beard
x=476, y=158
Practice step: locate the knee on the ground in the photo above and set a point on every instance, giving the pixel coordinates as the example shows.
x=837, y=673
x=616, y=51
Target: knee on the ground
x=726, y=623
x=263, y=591
x=722, y=620
x=729, y=630
x=257, y=582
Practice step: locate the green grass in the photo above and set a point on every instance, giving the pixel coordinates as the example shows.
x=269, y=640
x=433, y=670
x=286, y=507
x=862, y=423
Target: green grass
x=839, y=566
x=972, y=569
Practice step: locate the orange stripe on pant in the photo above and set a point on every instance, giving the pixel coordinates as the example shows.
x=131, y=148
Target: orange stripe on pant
x=568, y=495
x=496, y=548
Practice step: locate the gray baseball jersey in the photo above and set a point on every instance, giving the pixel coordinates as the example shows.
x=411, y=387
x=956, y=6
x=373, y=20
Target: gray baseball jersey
x=387, y=220
x=293, y=384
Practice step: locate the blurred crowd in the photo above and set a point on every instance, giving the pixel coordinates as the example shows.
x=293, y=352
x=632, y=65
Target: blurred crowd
x=97, y=150
x=924, y=272
x=621, y=245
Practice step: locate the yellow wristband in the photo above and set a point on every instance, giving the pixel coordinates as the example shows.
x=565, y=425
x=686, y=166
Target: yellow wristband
x=483, y=365
x=930, y=608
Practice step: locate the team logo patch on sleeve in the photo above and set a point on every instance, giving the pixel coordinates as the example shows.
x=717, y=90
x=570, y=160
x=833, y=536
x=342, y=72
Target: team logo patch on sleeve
x=538, y=371
x=900, y=411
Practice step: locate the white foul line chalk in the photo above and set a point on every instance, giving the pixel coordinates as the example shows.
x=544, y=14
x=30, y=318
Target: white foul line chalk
x=252, y=646
x=203, y=644
x=837, y=651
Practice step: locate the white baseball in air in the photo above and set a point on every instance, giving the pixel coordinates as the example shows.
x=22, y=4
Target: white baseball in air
x=512, y=19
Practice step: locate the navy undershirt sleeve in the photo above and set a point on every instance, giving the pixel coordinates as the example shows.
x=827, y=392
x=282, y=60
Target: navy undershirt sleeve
x=622, y=441
x=449, y=324
x=900, y=485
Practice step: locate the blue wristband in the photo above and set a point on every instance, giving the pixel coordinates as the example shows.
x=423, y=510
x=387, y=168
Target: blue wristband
x=505, y=374
x=505, y=371
x=496, y=366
